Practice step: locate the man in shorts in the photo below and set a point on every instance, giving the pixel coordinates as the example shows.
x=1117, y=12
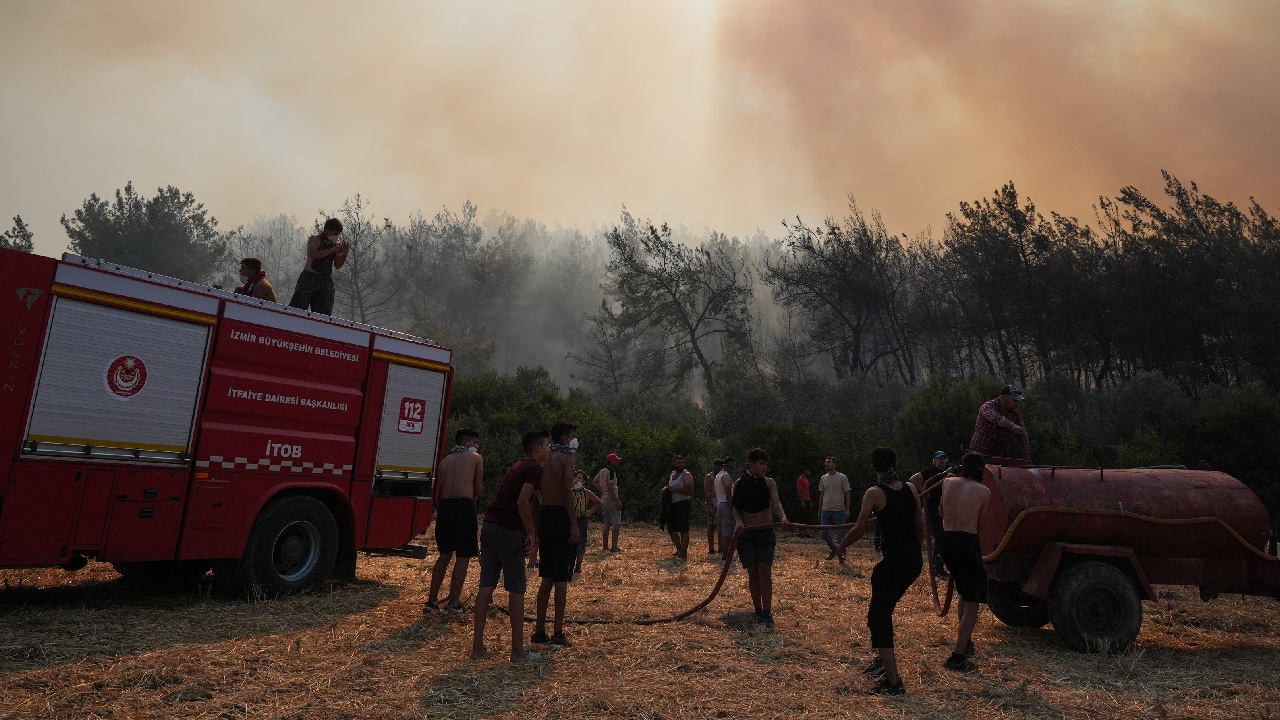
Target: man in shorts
x=755, y=502
x=557, y=533
x=709, y=505
x=680, y=488
x=964, y=499
x=607, y=485
x=461, y=478
x=724, y=504
x=505, y=538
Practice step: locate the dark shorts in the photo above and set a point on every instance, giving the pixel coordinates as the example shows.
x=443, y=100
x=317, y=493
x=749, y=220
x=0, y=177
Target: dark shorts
x=678, y=519
x=456, y=527
x=313, y=292
x=555, y=555
x=755, y=547
x=502, y=554
x=962, y=555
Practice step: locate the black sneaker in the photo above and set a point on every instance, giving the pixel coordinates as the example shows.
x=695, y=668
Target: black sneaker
x=431, y=606
x=884, y=687
x=875, y=669
x=759, y=617
x=969, y=650
x=456, y=609
x=831, y=555
x=767, y=618
x=560, y=640
x=539, y=638
x=959, y=663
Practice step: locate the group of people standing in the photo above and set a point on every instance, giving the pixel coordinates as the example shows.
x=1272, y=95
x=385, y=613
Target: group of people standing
x=949, y=502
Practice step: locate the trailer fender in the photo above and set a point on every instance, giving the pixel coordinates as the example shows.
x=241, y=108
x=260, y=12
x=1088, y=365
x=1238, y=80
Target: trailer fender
x=1052, y=556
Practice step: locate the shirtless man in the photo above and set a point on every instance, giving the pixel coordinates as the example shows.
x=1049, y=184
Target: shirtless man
x=964, y=499
x=325, y=253
x=709, y=504
x=607, y=485
x=897, y=509
x=755, y=502
x=557, y=533
x=253, y=281
x=461, y=478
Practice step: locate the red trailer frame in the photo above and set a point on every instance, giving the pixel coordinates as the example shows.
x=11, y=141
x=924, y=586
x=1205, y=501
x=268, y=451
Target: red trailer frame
x=289, y=464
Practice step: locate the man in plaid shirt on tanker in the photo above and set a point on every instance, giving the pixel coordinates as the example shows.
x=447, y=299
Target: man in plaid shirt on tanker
x=999, y=422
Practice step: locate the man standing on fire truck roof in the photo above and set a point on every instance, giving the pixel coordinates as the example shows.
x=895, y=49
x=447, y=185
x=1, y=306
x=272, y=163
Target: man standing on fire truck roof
x=325, y=252
x=461, y=476
x=999, y=422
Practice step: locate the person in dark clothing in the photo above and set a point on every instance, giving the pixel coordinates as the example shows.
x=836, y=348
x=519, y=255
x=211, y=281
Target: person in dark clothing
x=755, y=502
x=923, y=481
x=897, y=509
x=325, y=252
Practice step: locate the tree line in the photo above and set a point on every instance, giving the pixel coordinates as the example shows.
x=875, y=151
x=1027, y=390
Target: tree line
x=1137, y=336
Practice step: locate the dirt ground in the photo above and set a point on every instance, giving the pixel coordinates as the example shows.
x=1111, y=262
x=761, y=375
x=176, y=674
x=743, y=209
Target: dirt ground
x=87, y=644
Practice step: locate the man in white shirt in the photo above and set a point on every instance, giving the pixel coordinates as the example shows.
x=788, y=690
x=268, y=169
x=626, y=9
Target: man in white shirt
x=836, y=495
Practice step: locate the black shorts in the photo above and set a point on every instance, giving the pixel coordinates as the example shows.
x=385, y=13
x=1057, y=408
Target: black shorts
x=755, y=547
x=962, y=555
x=456, y=527
x=678, y=517
x=555, y=555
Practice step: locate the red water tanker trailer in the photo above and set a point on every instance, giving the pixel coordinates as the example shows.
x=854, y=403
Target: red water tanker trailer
x=167, y=427
x=1082, y=547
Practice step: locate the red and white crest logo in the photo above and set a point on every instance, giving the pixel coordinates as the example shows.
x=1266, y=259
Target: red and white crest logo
x=125, y=377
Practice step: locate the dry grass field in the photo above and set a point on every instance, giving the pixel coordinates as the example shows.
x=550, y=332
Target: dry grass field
x=88, y=645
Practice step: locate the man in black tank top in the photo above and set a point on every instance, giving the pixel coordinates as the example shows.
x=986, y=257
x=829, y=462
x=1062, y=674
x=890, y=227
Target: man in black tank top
x=325, y=252
x=897, y=509
x=755, y=502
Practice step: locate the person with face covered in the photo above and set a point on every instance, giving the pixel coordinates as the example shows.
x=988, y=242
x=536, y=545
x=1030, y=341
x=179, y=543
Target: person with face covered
x=253, y=281
x=680, y=489
x=755, y=503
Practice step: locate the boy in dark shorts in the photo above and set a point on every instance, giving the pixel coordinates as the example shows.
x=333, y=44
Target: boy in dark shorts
x=755, y=502
x=505, y=538
x=897, y=509
x=557, y=533
x=461, y=478
x=964, y=499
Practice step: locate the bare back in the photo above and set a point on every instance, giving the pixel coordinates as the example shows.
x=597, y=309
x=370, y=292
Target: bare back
x=461, y=474
x=963, y=502
x=557, y=480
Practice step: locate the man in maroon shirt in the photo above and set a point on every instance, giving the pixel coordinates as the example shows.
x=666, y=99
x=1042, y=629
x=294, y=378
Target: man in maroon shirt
x=505, y=539
x=999, y=422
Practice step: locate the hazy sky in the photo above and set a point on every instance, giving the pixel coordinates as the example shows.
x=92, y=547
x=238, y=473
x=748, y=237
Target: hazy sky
x=731, y=115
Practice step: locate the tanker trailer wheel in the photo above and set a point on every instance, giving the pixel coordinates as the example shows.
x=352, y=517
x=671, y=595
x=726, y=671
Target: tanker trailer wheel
x=1015, y=608
x=293, y=547
x=1095, y=608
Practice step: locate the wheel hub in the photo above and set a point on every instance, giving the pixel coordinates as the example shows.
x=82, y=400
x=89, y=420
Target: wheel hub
x=296, y=550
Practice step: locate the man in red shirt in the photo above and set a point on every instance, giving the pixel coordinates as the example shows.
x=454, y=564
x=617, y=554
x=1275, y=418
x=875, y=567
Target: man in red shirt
x=999, y=422
x=802, y=490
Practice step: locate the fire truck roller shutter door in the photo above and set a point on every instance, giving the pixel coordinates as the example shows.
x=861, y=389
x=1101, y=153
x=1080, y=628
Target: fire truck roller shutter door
x=410, y=422
x=117, y=381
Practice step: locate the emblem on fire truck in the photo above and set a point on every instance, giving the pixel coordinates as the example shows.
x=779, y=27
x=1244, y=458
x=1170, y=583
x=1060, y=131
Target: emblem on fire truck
x=125, y=376
x=411, y=415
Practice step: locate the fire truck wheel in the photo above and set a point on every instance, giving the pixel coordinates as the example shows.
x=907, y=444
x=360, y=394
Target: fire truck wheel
x=292, y=548
x=1014, y=608
x=1095, y=608
x=163, y=573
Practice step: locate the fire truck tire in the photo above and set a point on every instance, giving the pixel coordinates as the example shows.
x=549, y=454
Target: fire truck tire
x=1095, y=608
x=1014, y=608
x=292, y=548
x=163, y=573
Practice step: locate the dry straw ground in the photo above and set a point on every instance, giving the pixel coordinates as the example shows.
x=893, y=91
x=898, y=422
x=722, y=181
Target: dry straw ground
x=88, y=645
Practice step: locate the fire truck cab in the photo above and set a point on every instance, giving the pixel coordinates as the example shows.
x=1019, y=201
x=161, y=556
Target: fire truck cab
x=169, y=428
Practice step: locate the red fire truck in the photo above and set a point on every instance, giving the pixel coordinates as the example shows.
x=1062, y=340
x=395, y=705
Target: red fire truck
x=169, y=428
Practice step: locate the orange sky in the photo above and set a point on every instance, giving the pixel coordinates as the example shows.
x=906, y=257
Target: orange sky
x=733, y=115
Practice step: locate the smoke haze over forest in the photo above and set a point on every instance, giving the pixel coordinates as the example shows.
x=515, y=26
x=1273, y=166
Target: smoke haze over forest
x=731, y=116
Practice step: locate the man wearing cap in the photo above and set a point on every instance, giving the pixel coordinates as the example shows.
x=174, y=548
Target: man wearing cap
x=925, y=481
x=999, y=422
x=606, y=482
